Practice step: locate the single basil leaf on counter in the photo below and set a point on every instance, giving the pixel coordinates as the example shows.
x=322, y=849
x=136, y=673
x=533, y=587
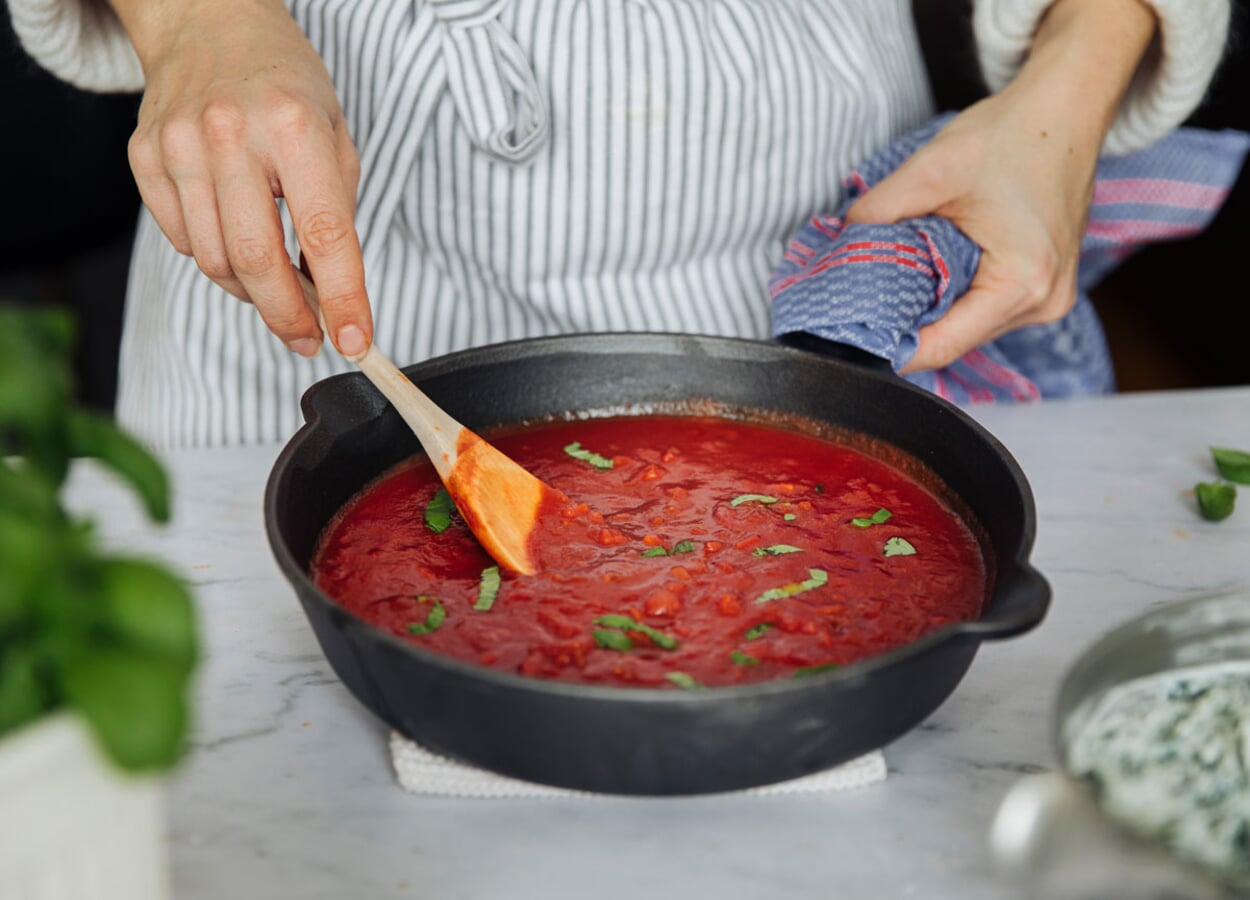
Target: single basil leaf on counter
x=682, y=680
x=805, y=671
x=576, y=451
x=789, y=517
x=488, y=589
x=655, y=551
x=612, y=640
x=880, y=517
x=816, y=578
x=776, y=550
x=743, y=659
x=897, y=546
x=438, y=511
x=1215, y=500
x=1233, y=465
x=747, y=498
x=758, y=631
x=683, y=547
x=433, y=619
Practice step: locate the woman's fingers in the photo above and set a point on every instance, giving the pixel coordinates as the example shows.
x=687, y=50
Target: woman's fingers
x=252, y=235
x=1002, y=298
x=322, y=201
x=158, y=192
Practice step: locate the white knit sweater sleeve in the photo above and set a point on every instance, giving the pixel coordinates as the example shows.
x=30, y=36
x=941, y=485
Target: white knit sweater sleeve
x=1168, y=85
x=79, y=41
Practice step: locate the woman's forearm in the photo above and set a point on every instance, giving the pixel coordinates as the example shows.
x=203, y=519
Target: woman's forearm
x=1083, y=58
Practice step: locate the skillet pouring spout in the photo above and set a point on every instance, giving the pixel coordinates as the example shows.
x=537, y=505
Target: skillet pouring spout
x=633, y=740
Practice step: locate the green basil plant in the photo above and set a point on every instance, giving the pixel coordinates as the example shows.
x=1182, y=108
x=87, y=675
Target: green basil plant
x=111, y=637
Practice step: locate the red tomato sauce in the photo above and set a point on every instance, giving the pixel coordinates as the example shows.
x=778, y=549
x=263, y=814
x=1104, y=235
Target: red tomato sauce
x=666, y=571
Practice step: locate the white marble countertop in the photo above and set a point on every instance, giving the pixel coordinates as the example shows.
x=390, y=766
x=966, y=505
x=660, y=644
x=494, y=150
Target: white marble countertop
x=288, y=791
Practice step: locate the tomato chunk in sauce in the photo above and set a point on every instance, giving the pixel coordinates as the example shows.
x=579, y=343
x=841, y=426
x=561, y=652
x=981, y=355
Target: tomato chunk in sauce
x=696, y=552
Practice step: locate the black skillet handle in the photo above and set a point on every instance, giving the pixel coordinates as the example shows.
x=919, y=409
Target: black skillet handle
x=1020, y=601
x=802, y=340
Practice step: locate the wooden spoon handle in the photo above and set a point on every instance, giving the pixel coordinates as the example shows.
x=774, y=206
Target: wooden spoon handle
x=438, y=432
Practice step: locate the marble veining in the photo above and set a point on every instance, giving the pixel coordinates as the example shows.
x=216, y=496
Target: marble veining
x=287, y=790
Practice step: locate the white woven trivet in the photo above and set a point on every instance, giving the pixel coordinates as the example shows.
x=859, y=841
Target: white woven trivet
x=423, y=772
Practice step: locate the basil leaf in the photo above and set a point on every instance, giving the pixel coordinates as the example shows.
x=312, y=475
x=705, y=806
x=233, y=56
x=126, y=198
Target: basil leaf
x=613, y=640
x=820, y=488
x=134, y=703
x=743, y=659
x=1233, y=465
x=816, y=578
x=805, y=671
x=487, y=589
x=897, y=546
x=679, y=547
x=789, y=517
x=435, y=618
x=1215, y=500
x=91, y=434
x=880, y=517
x=145, y=607
x=625, y=623
x=758, y=631
x=438, y=511
x=682, y=680
x=576, y=451
x=747, y=498
x=776, y=550
x=22, y=694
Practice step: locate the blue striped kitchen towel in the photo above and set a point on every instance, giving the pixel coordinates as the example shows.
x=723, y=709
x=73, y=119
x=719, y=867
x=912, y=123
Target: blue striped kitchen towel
x=874, y=286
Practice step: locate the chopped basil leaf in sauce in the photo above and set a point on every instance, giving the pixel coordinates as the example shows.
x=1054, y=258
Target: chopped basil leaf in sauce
x=880, y=517
x=897, y=546
x=820, y=488
x=433, y=619
x=789, y=517
x=747, y=498
x=625, y=623
x=743, y=659
x=682, y=680
x=576, y=451
x=1233, y=465
x=488, y=589
x=758, y=631
x=776, y=550
x=438, y=511
x=1215, y=500
x=612, y=640
x=679, y=547
x=805, y=671
x=816, y=578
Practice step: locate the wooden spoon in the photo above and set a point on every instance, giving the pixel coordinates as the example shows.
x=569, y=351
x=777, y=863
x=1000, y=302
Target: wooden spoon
x=499, y=500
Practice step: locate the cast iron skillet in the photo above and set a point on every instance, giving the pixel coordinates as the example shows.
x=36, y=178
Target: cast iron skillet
x=639, y=741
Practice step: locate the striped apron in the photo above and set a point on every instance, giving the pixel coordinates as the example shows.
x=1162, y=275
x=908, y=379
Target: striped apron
x=538, y=167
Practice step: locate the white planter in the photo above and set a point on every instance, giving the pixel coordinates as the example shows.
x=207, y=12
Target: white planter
x=73, y=827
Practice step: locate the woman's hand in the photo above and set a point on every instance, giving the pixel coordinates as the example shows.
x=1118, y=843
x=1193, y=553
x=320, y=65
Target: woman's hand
x=239, y=110
x=1016, y=171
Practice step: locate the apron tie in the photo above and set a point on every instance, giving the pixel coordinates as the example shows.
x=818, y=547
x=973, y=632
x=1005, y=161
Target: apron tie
x=458, y=46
